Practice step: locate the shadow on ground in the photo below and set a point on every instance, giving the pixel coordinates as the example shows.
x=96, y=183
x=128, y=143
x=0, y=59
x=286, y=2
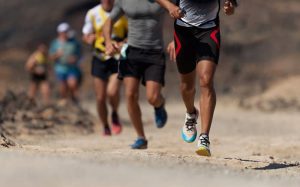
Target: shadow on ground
x=270, y=166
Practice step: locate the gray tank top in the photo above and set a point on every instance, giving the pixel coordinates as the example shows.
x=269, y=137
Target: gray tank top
x=199, y=13
x=144, y=22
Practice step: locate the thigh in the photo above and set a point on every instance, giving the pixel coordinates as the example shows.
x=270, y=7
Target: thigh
x=113, y=66
x=209, y=45
x=155, y=66
x=132, y=66
x=72, y=81
x=113, y=84
x=100, y=69
x=153, y=88
x=154, y=73
x=185, y=48
x=131, y=86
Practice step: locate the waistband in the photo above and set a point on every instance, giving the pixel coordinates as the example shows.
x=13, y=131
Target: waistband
x=145, y=50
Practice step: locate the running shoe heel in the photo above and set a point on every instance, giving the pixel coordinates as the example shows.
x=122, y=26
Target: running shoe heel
x=161, y=116
x=140, y=143
x=116, y=125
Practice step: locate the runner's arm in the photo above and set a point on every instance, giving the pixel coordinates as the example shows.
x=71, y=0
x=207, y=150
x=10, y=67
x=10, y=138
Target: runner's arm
x=30, y=63
x=54, y=53
x=174, y=11
x=115, y=15
x=171, y=51
x=88, y=30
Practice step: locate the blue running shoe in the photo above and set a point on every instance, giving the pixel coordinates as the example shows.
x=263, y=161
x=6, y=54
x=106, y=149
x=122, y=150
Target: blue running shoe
x=140, y=143
x=161, y=116
x=189, y=130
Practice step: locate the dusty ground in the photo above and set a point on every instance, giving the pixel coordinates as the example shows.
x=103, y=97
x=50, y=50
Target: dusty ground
x=249, y=148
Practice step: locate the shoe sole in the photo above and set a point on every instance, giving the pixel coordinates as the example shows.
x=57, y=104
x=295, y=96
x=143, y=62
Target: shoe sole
x=202, y=151
x=142, y=147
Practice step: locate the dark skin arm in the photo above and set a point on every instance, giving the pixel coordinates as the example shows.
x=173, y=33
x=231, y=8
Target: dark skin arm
x=111, y=46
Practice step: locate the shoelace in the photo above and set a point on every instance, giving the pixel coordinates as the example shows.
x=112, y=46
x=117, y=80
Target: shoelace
x=190, y=124
x=204, y=141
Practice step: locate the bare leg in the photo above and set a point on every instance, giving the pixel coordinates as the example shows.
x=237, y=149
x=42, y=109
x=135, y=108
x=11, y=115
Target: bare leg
x=45, y=90
x=132, y=97
x=154, y=96
x=206, y=70
x=73, y=88
x=113, y=92
x=32, y=90
x=100, y=90
x=188, y=91
x=63, y=91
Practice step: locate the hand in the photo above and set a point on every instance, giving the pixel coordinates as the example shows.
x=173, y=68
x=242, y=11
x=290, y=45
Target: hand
x=171, y=51
x=59, y=53
x=228, y=8
x=72, y=59
x=111, y=48
x=120, y=44
x=175, y=12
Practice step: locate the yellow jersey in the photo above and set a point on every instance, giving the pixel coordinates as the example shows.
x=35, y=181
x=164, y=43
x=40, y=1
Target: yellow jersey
x=94, y=22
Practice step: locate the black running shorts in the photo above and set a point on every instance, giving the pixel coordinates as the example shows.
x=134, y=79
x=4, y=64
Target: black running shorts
x=193, y=45
x=37, y=78
x=144, y=64
x=104, y=69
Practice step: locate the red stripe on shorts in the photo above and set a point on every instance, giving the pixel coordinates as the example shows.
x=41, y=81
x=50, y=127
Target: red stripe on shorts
x=214, y=37
x=178, y=44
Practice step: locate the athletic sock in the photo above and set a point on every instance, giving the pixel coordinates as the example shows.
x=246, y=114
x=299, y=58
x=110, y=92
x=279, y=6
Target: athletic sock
x=195, y=112
x=160, y=107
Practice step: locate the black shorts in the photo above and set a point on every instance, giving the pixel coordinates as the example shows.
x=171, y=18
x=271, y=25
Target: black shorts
x=194, y=44
x=37, y=78
x=104, y=69
x=144, y=64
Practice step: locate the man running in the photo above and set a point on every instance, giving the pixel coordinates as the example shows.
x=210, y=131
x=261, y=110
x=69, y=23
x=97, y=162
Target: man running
x=105, y=68
x=65, y=53
x=197, y=41
x=145, y=60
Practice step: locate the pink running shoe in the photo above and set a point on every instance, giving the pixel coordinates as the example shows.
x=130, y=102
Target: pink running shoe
x=116, y=125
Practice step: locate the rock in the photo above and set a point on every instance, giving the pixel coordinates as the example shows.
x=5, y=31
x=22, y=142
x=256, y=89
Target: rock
x=48, y=113
x=5, y=142
x=20, y=115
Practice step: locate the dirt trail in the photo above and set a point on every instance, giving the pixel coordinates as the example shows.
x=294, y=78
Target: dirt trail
x=249, y=148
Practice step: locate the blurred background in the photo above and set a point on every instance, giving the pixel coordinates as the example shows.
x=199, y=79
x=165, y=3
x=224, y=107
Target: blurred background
x=259, y=63
x=255, y=136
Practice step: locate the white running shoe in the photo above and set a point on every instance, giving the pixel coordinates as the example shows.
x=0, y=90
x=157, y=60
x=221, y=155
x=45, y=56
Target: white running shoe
x=189, y=130
x=203, y=145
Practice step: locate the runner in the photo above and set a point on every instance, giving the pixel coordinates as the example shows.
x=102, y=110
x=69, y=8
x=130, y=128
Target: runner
x=105, y=68
x=65, y=53
x=145, y=60
x=38, y=67
x=197, y=40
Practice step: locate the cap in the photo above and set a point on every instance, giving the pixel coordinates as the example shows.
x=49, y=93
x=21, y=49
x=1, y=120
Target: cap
x=63, y=27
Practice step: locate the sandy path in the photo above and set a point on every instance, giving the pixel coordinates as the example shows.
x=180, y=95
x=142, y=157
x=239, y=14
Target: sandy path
x=249, y=149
